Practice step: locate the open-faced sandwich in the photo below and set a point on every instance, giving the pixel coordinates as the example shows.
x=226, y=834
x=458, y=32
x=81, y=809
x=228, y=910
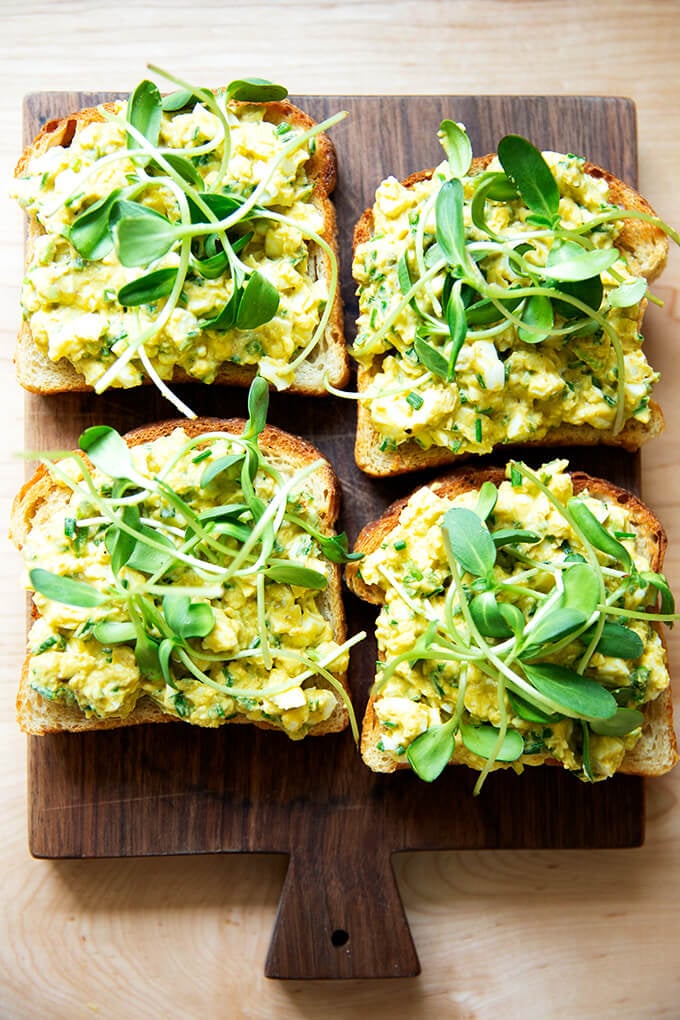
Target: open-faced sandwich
x=501, y=301
x=189, y=237
x=187, y=572
x=519, y=625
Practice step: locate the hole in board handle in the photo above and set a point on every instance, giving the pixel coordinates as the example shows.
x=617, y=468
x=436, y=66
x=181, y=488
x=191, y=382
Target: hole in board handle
x=340, y=937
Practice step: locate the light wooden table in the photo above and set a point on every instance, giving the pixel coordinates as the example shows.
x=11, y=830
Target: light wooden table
x=587, y=934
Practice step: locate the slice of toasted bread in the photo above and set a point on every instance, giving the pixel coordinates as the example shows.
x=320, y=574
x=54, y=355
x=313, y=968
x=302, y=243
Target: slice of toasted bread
x=37, y=373
x=656, y=751
x=41, y=496
x=646, y=249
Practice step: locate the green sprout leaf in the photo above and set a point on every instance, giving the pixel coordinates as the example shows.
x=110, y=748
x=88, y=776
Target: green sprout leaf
x=403, y=275
x=258, y=405
x=112, y=632
x=628, y=294
x=616, y=640
x=141, y=235
x=108, y=451
x=219, y=466
x=587, y=764
x=525, y=710
x=581, y=589
x=226, y=318
x=555, y=625
x=494, y=186
x=221, y=205
x=293, y=573
x=146, y=654
x=165, y=650
x=514, y=536
x=456, y=145
x=181, y=165
x=430, y=753
x=335, y=548
x=187, y=619
x=145, y=558
x=588, y=291
x=659, y=582
x=181, y=99
x=90, y=233
x=470, y=541
x=622, y=722
x=430, y=358
x=571, y=262
x=486, y=500
x=120, y=544
x=596, y=534
x=482, y=740
x=527, y=169
x=450, y=225
x=211, y=267
x=149, y=288
x=538, y=313
x=144, y=112
x=495, y=619
x=576, y=695
x=256, y=90
x=457, y=323
x=259, y=302
x=485, y=312
x=65, y=589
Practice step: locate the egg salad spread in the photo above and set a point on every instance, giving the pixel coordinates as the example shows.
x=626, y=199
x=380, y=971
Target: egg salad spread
x=523, y=365
x=164, y=586
x=75, y=305
x=448, y=653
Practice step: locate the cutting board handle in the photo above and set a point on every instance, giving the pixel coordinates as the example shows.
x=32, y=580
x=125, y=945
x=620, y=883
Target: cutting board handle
x=340, y=915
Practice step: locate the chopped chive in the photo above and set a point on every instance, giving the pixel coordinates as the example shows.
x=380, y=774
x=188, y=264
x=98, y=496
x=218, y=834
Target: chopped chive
x=203, y=455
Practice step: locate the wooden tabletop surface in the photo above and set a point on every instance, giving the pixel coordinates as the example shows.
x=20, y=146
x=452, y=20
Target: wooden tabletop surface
x=551, y=934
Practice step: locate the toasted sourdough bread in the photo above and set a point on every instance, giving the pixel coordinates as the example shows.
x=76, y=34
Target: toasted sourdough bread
x=647, y=249
x=37, y=373
x=40, y=496
x=656, y=751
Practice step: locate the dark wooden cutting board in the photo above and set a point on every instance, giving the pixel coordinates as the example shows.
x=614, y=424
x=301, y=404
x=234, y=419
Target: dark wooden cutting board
x=178, y=790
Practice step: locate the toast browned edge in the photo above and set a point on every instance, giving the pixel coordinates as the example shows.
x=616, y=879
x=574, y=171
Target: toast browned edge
x=38, y=716
x=635, y=238
x=38, y=374
x=656, y=751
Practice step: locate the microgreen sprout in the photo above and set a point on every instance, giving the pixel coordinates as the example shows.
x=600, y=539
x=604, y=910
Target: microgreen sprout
x=526, y=630
x=164, y=584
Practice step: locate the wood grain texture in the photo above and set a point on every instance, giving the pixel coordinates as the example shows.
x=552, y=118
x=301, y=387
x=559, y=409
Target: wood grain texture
x=174, y=789
x=498, y=932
